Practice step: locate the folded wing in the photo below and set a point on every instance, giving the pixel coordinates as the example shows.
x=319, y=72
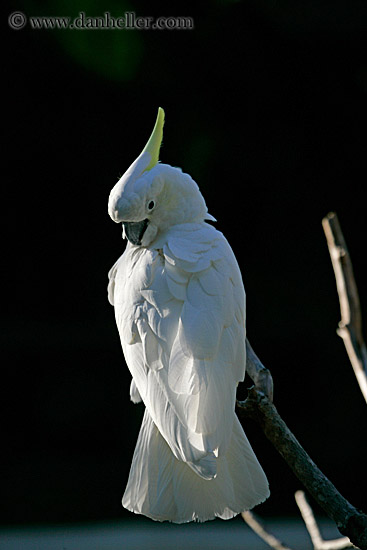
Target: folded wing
x=180, y=309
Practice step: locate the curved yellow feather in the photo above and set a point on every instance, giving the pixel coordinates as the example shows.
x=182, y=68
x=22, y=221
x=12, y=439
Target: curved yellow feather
x=154, y=143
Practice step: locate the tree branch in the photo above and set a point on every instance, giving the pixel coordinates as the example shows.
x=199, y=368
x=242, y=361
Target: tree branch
x=318, y=542
x=261, y=532
x=260, y=375
x=258, y=406
x=350, y=326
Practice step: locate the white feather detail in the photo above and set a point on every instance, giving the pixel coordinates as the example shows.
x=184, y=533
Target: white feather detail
x=134, y=392
x=199, y=331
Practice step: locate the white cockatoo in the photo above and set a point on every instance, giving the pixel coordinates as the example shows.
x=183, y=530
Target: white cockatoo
x=180, y=310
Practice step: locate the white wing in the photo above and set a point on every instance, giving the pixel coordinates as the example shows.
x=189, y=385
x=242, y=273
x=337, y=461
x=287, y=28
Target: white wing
x=180, y=310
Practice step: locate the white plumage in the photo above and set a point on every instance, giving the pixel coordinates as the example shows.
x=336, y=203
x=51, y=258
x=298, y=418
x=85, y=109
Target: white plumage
x=180, y=309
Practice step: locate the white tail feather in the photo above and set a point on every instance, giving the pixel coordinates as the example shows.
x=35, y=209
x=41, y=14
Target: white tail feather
x=164, y=488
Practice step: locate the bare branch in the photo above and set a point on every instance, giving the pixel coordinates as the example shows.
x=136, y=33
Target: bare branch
x=318, y=542
x=350, y=521
x=259, y=374
x=350, y=326
x=259, y=529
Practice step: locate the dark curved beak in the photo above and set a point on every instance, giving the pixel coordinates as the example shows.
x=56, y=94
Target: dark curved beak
x=135, y=231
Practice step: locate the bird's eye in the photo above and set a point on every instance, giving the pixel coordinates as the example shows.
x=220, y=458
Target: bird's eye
x=151, y=205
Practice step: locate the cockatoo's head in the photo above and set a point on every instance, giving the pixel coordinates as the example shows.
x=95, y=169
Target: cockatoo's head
x=150, y=197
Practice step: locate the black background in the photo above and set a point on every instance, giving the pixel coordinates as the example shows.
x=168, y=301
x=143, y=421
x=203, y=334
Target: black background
x=266, y=108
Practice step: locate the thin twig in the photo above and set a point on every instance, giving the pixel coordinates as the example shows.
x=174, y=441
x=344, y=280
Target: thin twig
x=260, y=530
x=350, y=326
x=318, y=542
x=350, y=521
